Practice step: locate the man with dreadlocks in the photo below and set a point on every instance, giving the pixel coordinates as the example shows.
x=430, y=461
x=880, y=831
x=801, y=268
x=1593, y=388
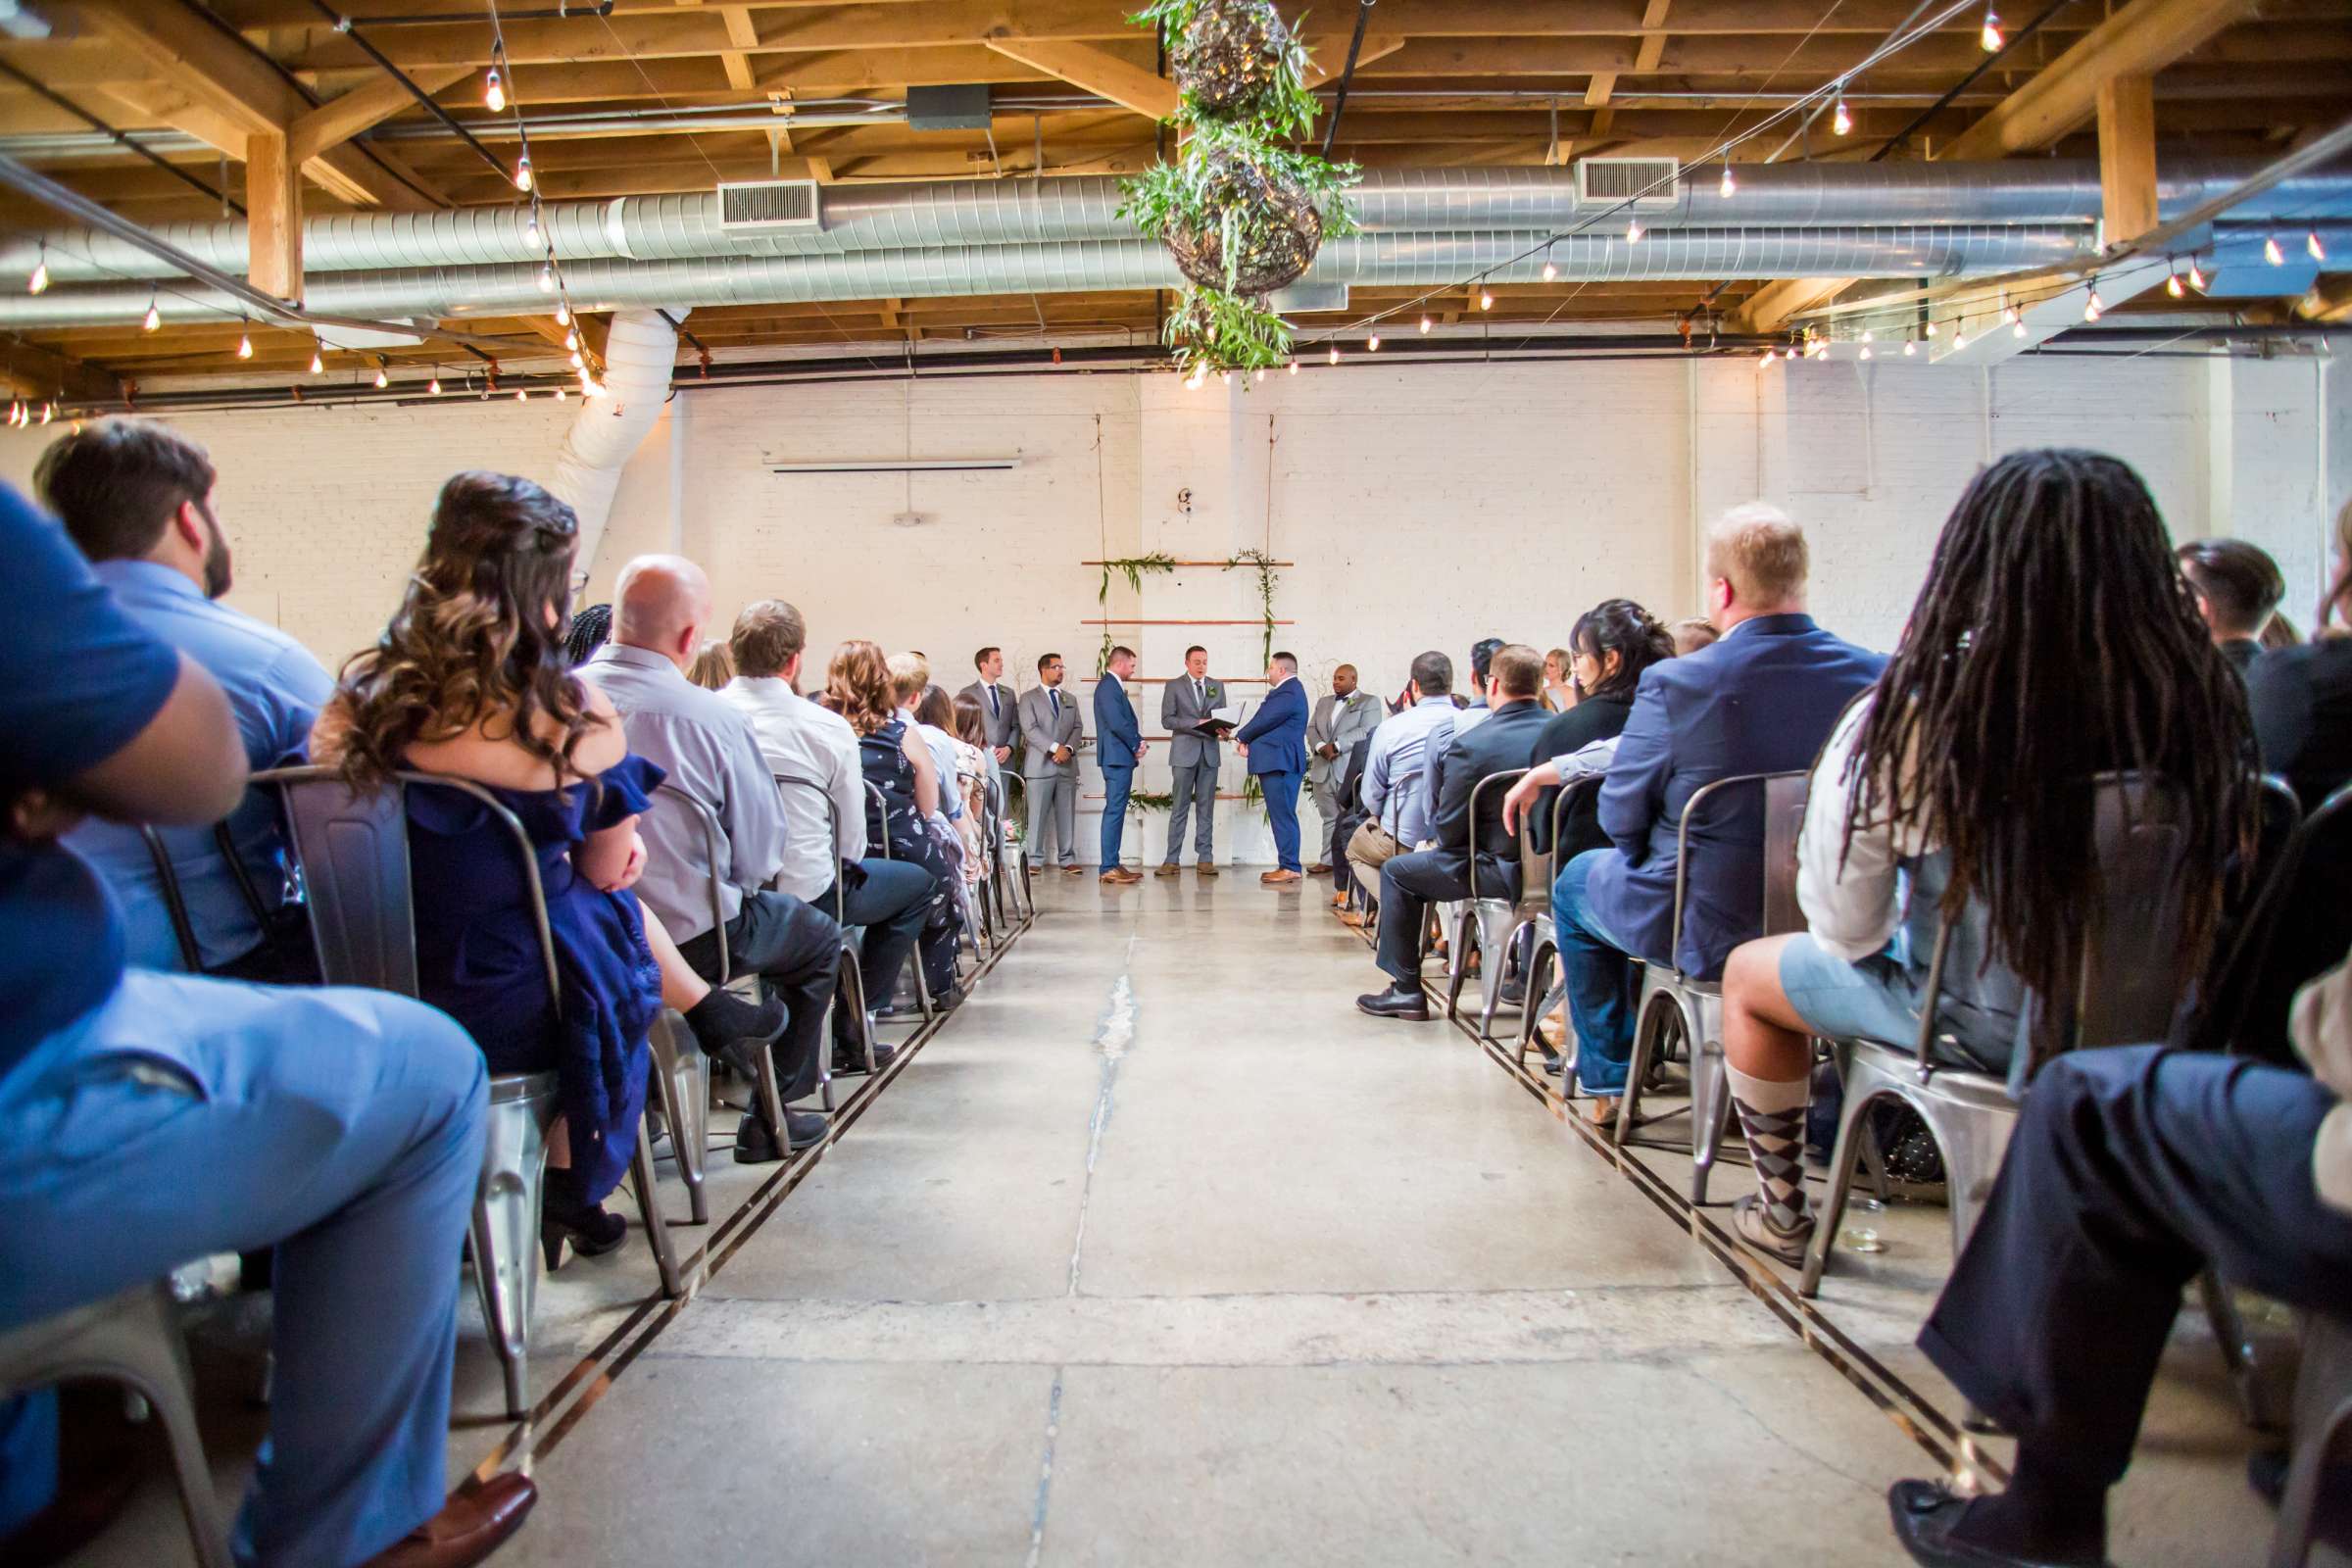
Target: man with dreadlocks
x=2053, y=640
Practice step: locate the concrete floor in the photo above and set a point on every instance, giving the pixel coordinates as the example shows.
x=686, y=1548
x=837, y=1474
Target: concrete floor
x=1161, y=1253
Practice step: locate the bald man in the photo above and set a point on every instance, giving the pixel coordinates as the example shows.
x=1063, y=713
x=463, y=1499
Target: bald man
x=1342, y=718
x=709, y=752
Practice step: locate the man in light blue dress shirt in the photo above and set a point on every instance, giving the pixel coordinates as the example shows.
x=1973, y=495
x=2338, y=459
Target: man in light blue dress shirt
x=1396, y=772
x=138, y=498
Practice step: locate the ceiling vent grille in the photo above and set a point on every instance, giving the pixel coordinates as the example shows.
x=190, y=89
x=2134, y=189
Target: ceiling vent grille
x=1644, y=181
x=766, y=206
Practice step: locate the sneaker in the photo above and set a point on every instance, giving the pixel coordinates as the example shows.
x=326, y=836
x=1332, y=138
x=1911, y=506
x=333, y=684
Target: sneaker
x=1756, y=1226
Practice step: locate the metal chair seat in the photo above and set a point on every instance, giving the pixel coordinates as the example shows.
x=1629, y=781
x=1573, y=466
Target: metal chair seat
x=1539, y=865
x=133, y=1341
x=2322, y=1434
x=1480, y=919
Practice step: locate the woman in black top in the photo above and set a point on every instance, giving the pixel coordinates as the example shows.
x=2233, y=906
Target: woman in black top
x=1613, y=643
x=2301, y=697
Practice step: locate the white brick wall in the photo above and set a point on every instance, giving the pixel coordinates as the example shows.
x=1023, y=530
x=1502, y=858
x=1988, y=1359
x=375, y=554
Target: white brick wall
x=1424, y=506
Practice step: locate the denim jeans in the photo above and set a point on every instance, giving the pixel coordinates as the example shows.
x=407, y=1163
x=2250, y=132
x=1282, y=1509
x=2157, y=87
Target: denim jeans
x=1602, y=982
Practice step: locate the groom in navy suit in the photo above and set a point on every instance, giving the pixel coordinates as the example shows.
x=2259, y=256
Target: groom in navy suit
x=1119, y=746
x=1274, y=742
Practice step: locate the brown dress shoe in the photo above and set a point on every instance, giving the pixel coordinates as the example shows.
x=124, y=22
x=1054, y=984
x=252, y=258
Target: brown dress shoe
x=1073, y=871
x=1280, y=879
x=1354, y=919
x=1113, y=878
x=1169, y=868
x=1319, y=869
x=1208, y=869
x=469, y=1527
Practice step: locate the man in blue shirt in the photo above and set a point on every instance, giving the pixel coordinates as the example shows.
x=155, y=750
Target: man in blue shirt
x=1118, y=748
x=138, y=498
x=1277, y=731
x=149, y=1118
x=1394, y=774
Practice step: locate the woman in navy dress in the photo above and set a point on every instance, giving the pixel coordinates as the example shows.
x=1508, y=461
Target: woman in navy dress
x=470, y=680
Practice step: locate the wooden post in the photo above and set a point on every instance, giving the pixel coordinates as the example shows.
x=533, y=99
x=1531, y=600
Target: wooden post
x=2127, y=156
x=274, y=209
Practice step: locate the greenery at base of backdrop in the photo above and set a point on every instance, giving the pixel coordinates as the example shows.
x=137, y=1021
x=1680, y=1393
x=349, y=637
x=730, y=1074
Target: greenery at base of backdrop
x=1161, y=564
x=1242, y=210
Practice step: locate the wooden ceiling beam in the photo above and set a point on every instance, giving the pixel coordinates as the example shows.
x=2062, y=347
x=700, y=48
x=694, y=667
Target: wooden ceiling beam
x=339, y=119
x=2127, y=119
x=1097, y=71
x=37, y=372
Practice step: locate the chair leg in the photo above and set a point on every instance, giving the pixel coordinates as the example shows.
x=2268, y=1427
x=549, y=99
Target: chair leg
x=503, y=1236
x=1539, y=991
x=1491, y=994
x=1457, y=961
x=2237, y=1346
x=1710, y=1110
x=683, y=1138
x=657, y=1229
x=148, y=1356
x=1646, y=1030
x=1833, y=1207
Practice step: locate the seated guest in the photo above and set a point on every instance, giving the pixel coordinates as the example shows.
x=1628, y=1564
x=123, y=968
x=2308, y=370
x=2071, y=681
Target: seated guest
x=1693, y=634
x=138, y=498
x=2302, y=697
x=2132, y=1170
x=1559, y=690
x=2049, y=643
x=1468, y=716
x=714, y=667
x=589, y=628
x=1613, y=643
x=825, y=867
x=1455, y=869
x=999, y=710
x=1760, y=701
x=897, y=765
x=1396, y=796
x=935, y=712
x=341, y=1127
x=549, y=747
x=910, y=678
x=705, y=748
x=2236, y=586
x=968, y=723
x=1353, y=816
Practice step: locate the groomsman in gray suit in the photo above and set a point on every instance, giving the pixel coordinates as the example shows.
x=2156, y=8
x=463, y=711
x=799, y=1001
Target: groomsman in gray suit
x=1051, y=730
x=1340, y=719
x=1183, y=704
x=999, y=718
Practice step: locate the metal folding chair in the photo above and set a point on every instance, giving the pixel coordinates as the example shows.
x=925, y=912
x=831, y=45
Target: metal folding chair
x=1479, y=919
x=2126, y=995
x=353, y=855
x=880, y=803
x=1538, y=871
x=131, y=1340
x=1671, y=999
x=2322, y=1434
x=853, y=971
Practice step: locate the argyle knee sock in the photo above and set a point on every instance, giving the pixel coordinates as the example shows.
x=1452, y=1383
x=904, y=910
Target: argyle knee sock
x=1772, y=1115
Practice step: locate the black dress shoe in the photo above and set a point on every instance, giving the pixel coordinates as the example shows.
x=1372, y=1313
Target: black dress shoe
x=755, y=1144
x=1513, y=994
x=1924, y=1516
x=1553, y=1061
x=1401, y=1000
x=849, y=1059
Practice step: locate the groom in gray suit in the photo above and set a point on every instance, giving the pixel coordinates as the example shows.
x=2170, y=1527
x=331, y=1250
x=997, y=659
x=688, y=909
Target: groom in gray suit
x=1051, y=730
x=1183, y=704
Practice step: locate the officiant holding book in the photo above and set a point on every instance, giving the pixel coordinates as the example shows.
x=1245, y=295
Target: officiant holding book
x=1188, y=712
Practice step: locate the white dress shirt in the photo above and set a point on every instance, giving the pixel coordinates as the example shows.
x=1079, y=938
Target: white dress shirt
x=1851, y=908
x=804, y=741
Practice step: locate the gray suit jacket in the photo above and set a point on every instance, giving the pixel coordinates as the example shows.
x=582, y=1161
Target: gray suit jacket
x=1004, y=728
x=1040, y=734
x=1179, y=711
x=1340, y=725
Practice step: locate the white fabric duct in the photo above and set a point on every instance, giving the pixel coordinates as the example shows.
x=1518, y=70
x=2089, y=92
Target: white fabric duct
x=639, y=356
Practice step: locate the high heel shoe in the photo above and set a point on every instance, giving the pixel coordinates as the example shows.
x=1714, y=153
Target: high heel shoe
x=592, y=1229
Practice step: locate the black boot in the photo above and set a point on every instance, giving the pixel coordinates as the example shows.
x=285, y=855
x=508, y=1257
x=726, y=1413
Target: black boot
x=731, y=1029
x=565, y=1216
x=1402, y=1000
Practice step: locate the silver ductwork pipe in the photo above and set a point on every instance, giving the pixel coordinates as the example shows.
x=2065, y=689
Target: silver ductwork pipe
x=640, y=352
x=1917, y=252
x=946, y=214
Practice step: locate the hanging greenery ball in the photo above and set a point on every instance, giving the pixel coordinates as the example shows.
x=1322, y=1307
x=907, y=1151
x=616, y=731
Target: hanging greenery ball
x=1231, y=54
x=1260, y=230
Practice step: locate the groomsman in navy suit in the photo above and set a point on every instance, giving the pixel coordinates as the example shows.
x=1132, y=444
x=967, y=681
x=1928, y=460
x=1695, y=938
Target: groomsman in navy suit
x=1118, y=748
x=1274, y=742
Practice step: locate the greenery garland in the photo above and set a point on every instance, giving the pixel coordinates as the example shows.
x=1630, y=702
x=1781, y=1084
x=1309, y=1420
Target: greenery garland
x=1132, y=567
x=1142, y=802
x=1242, y=210
x=1268, y=577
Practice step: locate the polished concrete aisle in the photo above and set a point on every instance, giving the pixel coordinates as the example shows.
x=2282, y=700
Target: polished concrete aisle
x=1161, y=1253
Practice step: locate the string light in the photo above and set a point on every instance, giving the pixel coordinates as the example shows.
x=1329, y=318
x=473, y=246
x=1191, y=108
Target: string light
x=48, y=412
x=523, y=395
x=1632, y=230
x=1293, y=365
x=1225, y=378
x=2311, y=243
x=1335, y=354
x=531, y=229
x=1866, y=351
x=559, y=394
x=2271, y=251
x=434, y=385
x=1910, y=348
x=1261, y=372
x=2018, y=331
x=494, y=91
x=1931, y=329
x=1425, y=326
x=154, y=317
x=563, y=311
x=1551, y=269
x=1373, y=347
x=547, y=278
x=1959, y=338
x=577, y=363
x=317, y=359
x=244, y=345
x=2008, y=313
x=1486, y=300
x=2172, y=285
x=41, y=272
x=1990, y=36
x=2095, y=307
x=1868, y=336
x=1841, y=121
x=2196, y=278
x=523, y=173
x=572, y=340
x=381, y=379
x=1729, y=186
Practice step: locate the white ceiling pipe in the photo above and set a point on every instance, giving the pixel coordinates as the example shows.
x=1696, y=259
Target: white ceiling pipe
x=638, y=358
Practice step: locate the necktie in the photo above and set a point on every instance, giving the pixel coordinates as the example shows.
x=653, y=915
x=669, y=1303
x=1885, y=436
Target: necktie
x=1055, y=698
x=1200, y=696
x=992, y=703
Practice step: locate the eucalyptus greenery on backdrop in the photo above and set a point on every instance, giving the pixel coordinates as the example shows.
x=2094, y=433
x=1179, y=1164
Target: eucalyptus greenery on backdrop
x=1159, y=562
x=1242, y=210
x=1268, y=577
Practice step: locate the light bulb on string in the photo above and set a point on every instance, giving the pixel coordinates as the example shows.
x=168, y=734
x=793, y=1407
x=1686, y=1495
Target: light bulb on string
x=1632, y=230
x=2271, y=251
x=1225, y=378
x=577, y=363
x=2197, y=277
x=318, y=360
x=1865, y=351
x=2311, y=243
x=244, y=345
x=40, y=274
x=1551, y=269
x=2095, y=307
x=2172, y=285
x=1841, y=122
x=523, y=173
x=494, y=91
x=1729, y=186
x=1959, y=338
x=1425, y=326
x=547, y=278
x=1261, y=372
x=2017, y=329
x=1931, y=329
x=153, y=319
x=1486, y=300
x=1335, y=354
x=1991, y=36
x=1293, y=365
x=1373, y=346
x=563, y=311
x=48, y=412
x=2008, y=313
x=1910, y=348
x=523, y=395
x=434, y=385
x=532, y=236
x=381, y=379
x=559, y=394
x=571, y=337
x=1868, y=335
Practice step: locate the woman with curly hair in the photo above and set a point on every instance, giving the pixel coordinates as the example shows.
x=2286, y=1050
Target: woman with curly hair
x=472, y=679
x=897, y=762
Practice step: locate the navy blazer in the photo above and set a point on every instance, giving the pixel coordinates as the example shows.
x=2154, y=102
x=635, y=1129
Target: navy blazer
x=1503, y=743
x=1117, y=733
x=1276, y=733
x=1763, y=699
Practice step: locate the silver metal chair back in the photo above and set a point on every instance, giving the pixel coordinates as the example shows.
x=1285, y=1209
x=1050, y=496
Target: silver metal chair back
x=2322, y=1434
x=1535, y=912
x=1487, y=922
x=2125, y=992
x=714, y=857
x=852, y=968
x=175, y=904
x=921, y=986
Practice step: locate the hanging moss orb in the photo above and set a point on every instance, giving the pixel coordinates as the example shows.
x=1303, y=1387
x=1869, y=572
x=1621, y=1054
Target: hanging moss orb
x=1231, y=56
x=1270, y=221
